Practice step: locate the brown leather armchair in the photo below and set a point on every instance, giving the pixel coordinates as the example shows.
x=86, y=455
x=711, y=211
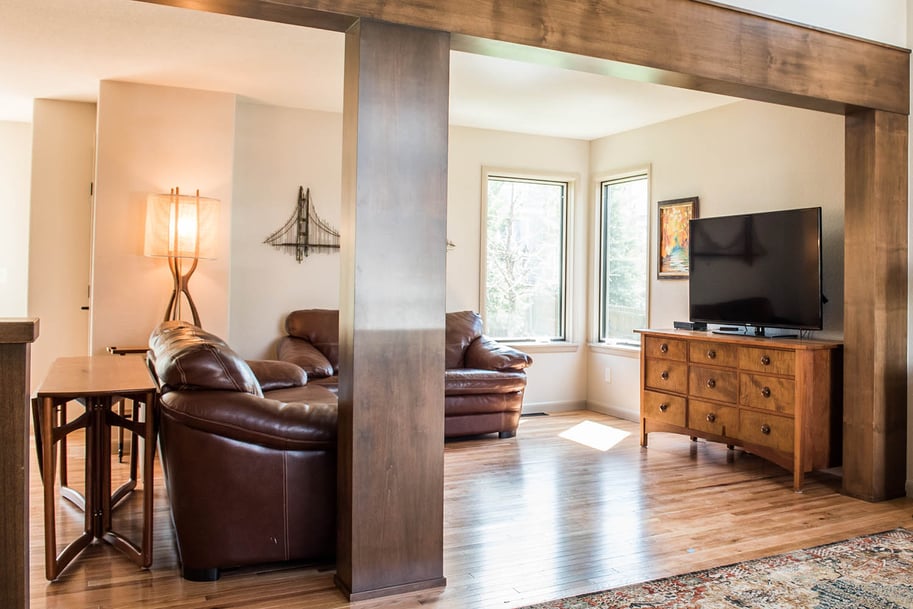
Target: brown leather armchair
x=484, y=381
x=249, y=453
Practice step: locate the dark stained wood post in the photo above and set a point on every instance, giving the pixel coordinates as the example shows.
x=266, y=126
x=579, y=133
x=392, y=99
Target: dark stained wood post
x=391, y=312
x=875, y=301
x=16, y=336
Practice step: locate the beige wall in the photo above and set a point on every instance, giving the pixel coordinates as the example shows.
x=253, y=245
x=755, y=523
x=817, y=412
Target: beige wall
x=15, y=154
x=63, y=157
x=151, y=139
x=557, y=379
x=276, y=151
x=739, y=158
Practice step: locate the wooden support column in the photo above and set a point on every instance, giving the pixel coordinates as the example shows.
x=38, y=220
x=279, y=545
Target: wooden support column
x=16, y=336
x=391, y=312
x=875, y=318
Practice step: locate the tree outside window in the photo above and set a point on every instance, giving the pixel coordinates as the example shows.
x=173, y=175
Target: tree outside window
x=525, y=255
x=624, y=250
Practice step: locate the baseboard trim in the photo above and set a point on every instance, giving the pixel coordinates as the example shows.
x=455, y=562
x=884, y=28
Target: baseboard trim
x=614, y=411
x=439, y=582
x=529, y=408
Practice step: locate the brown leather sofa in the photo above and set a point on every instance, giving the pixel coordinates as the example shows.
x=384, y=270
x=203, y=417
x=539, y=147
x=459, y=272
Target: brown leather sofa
x=484, y=380
x=249, y=453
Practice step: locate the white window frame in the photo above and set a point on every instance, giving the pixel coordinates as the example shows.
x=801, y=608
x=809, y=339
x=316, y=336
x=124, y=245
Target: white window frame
x=597, y=342
x=570, y=180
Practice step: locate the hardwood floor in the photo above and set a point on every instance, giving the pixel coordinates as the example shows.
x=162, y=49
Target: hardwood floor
x=528, y=519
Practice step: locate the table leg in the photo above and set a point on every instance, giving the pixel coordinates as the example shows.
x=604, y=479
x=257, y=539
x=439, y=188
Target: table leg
x=54, y=562
x=47, y=460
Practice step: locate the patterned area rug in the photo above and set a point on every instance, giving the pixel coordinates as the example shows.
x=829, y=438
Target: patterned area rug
x=870, y=572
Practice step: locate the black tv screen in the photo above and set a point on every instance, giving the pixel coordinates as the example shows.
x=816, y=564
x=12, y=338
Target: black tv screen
x=760, y=269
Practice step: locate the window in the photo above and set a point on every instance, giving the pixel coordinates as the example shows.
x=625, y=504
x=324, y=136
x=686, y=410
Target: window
x=624, y=240
x=525, y=257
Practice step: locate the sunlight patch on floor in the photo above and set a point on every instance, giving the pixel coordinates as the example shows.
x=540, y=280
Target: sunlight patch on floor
x=595, y=435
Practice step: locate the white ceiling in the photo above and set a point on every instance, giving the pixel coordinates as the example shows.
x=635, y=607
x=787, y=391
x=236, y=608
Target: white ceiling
x=61, y=49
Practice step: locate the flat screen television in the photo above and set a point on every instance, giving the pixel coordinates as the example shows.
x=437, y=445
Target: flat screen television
x=760, y=270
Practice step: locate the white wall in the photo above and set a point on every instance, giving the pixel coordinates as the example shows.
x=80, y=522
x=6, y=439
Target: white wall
x=151, y=139
x=739, y=158
x=276, y=151
x=63, y=161
x=15, y=154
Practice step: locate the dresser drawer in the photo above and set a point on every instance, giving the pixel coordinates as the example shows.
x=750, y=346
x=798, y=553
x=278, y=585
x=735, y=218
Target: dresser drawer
x=713, y=383
x=767, y=361
x=665, y=348
x=772, y=393
x=663, y=407
x=771, y=430
x=666, y=375
x=716, y=354
x=713, y=418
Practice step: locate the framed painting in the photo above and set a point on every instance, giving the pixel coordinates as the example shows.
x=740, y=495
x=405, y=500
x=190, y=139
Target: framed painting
x=674, y=238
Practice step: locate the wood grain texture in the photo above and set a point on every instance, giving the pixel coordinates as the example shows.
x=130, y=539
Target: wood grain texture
x=674, y=42
x=533, y=518
x=875, y=308
x=391, y=390
x=16, y=336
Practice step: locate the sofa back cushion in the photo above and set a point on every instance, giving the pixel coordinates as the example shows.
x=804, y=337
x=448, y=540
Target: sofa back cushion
x=462, y=327
x=320, y=327
x=185, y=357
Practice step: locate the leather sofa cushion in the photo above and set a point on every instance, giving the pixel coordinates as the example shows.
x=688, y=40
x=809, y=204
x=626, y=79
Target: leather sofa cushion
x=305, y=355
x=273, y=374
x=462, y=327
x=302, y=425
x=185, y=356
x=489, y=354
x=320, y=327
x=472, y=381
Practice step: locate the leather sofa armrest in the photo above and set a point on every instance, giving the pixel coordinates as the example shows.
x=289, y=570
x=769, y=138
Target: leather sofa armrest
x=273, y=374
x=247, y=418
x=305, y=355
x=486, y=353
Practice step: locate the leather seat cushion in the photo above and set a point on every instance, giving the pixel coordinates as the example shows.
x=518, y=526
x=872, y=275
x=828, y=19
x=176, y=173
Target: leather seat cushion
x=473, y=405
x=472, y=381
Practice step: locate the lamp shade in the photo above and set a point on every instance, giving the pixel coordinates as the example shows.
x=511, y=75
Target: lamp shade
x=181, y=226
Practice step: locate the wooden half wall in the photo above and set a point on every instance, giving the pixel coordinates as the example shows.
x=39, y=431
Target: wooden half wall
x=16, y=338
x=705, y=46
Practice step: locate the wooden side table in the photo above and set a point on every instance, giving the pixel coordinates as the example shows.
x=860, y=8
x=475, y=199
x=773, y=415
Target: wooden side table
x=98, y=382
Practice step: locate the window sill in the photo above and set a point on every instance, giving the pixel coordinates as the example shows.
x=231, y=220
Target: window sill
x=553, y=347
x=615, y=349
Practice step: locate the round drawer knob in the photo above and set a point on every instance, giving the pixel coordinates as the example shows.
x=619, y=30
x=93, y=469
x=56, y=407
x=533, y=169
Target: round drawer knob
x=664, y=375
x=664, y=348
x=765, y=360
x=711, y=383
x=711, y=354
x=663, y=407
x=765, y=429
x=711, y=417
x=766, y=392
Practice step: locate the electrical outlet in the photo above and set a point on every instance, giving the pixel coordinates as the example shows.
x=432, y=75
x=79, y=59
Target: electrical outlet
x=608, y=375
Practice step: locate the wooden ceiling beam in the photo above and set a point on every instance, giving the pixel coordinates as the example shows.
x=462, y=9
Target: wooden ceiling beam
x=695, y=44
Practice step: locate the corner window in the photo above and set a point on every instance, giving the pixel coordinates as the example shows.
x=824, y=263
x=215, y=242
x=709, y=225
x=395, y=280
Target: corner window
x=624, y=241
x=524, y=257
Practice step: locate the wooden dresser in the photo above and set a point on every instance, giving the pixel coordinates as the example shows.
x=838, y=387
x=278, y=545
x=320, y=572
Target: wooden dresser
x=777, y=398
